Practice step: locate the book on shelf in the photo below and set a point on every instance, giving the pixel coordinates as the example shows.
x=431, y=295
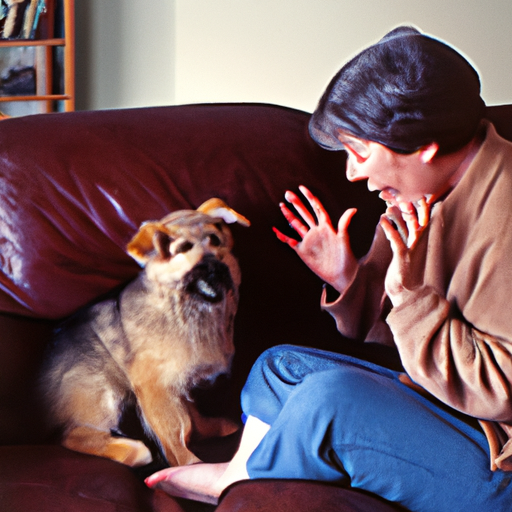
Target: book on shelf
x=19, y=19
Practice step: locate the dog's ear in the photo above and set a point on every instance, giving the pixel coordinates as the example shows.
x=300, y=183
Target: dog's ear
x=218, y=208
x=141, y=245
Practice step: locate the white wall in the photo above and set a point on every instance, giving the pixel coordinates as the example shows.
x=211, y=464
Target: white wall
x=286, y=51
x=132, y=53
x=125, y=53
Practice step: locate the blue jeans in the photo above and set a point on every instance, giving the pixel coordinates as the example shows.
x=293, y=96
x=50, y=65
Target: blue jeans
x=341, y=420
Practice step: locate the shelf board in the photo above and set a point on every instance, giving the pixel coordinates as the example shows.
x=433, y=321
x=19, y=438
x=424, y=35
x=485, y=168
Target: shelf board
x=47, y=97
x=10, y=43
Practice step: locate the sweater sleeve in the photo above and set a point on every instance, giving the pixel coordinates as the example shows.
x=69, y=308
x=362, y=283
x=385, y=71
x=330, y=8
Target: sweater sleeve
x=358, y=309
x=462, y=366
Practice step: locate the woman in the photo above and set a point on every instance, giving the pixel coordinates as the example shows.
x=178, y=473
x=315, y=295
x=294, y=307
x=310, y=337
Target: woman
x=435, y=285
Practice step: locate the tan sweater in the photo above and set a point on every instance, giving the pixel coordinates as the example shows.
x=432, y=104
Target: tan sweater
x=454, y=330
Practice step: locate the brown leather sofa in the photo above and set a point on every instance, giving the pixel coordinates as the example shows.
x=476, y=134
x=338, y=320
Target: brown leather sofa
x=74, y=188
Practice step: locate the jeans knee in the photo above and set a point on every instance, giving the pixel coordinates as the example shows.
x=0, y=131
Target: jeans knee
x=281, y=361
x=272, y=378
x=276, y=353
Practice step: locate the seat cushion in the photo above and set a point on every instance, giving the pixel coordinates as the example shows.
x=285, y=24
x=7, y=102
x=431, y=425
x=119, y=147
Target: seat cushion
x=298, y=496
x=53, y=479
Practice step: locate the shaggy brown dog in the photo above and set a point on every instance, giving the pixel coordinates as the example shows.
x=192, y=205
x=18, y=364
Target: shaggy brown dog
x=168, y=330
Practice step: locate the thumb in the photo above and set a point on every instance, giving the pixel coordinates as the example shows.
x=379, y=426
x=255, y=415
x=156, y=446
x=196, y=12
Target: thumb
x=345, y=220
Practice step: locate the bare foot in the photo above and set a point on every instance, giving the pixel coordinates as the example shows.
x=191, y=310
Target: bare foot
x=205, y=482
x=199, y=482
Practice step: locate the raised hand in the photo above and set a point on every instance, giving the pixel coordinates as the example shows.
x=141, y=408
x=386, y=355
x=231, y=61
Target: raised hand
x=325, y=250
x=403, y=226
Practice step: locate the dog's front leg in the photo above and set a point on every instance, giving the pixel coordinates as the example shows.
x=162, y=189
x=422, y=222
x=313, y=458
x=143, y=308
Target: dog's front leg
x=89, y=410
x=165, y=414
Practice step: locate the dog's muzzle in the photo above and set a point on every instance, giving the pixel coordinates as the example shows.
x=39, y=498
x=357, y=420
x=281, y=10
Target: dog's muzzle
x=209, y=280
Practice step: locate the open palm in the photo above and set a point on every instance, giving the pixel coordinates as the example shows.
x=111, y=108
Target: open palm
x=325, y=250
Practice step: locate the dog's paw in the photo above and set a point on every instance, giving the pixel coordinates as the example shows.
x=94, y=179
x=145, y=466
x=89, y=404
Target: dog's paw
x=128, y=451
x=96, y=442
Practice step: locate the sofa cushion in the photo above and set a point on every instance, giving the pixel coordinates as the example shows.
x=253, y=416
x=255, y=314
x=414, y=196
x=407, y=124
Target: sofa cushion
x=298, y=496
x=53, y=479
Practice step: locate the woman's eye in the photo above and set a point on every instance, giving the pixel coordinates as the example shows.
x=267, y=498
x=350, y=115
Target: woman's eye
x=357, y=156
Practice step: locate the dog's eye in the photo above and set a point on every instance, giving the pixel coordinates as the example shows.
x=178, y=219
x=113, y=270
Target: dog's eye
x=162, y=241
x=214, y=240
x=184, y=247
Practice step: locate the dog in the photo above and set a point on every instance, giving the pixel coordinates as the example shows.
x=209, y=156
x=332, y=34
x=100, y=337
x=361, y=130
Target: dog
x=168, y=330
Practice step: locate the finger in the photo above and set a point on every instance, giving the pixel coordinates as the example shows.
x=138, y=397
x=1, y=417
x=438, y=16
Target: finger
x=395, y=216
x=413, y=228
x=413, y=236
x=395, y=238
x=294, y=222
x=301, y=209
x=410, y=216
x=423, y=210
x=345, y=220
x=286, y=239
x=409, y=213
x=317, y=206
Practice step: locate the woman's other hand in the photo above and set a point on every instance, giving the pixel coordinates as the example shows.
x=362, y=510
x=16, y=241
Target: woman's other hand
x=403, y=226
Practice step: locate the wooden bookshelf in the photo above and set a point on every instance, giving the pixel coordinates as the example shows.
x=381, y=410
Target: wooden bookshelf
x=47, y=92
x=17, y=43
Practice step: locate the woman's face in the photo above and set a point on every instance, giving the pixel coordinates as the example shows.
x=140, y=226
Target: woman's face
x=400, y=178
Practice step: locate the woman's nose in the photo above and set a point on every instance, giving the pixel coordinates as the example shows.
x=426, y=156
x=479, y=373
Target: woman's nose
x=354, y=173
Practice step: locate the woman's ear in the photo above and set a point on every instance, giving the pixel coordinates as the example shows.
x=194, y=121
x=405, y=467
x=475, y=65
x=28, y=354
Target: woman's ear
x=427, y=153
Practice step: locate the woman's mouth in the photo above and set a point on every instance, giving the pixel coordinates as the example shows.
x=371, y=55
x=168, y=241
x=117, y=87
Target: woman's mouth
x=390, y=196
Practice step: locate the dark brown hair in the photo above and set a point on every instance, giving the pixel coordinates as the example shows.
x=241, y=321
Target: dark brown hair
x=404, y=92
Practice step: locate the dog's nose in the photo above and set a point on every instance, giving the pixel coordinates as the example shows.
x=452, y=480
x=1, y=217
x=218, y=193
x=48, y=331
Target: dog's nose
x=209, y=280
